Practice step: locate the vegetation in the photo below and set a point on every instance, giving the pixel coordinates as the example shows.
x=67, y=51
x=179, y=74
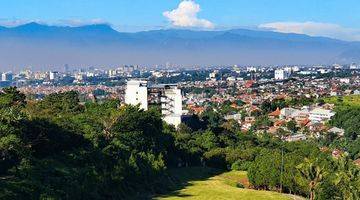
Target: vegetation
x=222, y=186
x=58, y=148
x=346, y=101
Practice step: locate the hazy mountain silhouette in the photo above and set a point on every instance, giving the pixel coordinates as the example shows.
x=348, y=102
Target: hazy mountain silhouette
x=43, y=46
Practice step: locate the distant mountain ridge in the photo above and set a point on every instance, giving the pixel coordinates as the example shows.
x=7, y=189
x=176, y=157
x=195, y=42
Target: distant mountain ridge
x=43, y=46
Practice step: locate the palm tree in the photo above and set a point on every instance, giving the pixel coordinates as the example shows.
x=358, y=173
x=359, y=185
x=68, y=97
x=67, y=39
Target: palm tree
x=312, y=173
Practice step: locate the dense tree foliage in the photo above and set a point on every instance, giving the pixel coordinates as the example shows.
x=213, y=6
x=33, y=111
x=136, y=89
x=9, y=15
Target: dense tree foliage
x=348, y=118
x=269, y=106
x=59, y=148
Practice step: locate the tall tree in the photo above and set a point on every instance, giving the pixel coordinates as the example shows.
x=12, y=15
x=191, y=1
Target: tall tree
x=313, y=173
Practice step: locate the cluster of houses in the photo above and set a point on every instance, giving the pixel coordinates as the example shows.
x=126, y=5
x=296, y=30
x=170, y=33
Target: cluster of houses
x=310, y=120
x=307, y=118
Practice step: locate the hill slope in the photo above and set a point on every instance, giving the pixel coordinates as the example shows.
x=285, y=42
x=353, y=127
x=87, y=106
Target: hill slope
x=222, y=186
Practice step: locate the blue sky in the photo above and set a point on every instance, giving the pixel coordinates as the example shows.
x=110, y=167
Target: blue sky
x=333, y=18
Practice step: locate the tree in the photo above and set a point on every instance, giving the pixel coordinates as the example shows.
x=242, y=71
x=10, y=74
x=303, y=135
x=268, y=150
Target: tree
x=12, y=139
x=313, y=173
x=57, y=105
x=138, y=130
x=269, y=106
x=354, y=149
x=213, y=119
x=264, y=172
x=291, y=125
x=11, y=97
x=347, y=179
x=262, y=122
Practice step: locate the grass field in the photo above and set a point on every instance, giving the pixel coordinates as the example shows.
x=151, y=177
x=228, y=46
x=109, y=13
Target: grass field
x=351, y=100
x=220, y=186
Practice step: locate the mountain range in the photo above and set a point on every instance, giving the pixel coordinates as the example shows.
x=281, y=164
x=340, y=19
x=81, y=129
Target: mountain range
x=51, y=47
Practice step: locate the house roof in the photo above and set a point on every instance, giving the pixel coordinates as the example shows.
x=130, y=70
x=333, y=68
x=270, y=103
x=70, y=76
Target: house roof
x=305, y=122
x=276, y=113
x=279, y=123
x=357, y=162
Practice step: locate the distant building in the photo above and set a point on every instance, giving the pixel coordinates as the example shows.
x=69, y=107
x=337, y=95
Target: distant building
x=8, y=76
x=214, y=75
x=354, y=66
x=53, y=76
x=66, y=68
x=320, y=115
x=307, y=72
x=112, y=73
x=324, y=71
x=236, y=117
x=251, y=69
x=79, y=78
x=338, y=131
x=294, y=138
x=231, y=78
x=137, y=93
x=333, y=93
x=281, y=74
x=295, y=69
x=287, y=112
x=344, y=80
x=171, y=105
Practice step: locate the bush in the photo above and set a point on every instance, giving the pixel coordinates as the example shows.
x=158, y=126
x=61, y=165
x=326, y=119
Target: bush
x=239, y=185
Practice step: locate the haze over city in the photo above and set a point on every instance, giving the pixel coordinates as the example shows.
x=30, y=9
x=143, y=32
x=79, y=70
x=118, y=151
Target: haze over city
x=186, y=33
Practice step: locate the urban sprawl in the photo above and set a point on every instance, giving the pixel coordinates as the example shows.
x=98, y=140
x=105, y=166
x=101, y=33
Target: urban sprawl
x=291, y=102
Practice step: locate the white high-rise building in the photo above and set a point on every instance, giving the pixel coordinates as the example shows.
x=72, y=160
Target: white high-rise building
x=53, y=75
x=281, y=74
x=8, y=76
x=213, y=75
x=137, y=93
x=354, y=66
x=251, y=69
x=171, y=105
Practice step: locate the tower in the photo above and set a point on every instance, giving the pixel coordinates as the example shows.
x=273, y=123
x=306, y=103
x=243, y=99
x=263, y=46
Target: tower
x=168, y=96
x=171, y=105
x=137, y=93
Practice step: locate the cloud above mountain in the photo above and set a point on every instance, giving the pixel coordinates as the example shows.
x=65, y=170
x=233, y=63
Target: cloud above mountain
x=185, y=15
x=60, y=22
x=81, y=22
x=15, y=22
x=314, y=29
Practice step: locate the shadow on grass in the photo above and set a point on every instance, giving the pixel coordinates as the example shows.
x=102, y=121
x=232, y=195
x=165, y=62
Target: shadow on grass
x=180, y=178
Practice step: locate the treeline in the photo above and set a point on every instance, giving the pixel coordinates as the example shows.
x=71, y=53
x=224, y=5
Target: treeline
x=58, y=148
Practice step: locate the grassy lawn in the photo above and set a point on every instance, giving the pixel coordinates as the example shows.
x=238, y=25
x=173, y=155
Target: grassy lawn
x=219, y=186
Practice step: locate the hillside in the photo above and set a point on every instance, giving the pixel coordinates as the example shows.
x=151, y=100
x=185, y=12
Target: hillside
x=222, y=186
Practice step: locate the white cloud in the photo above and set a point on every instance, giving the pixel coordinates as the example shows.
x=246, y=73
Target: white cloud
x=185, y=15
x=15, y=22
x=314, y=29
x=80, y=22
x=63, y=22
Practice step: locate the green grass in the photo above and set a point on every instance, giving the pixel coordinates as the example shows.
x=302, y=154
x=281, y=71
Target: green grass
x=218, y=186
x=351, y=100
